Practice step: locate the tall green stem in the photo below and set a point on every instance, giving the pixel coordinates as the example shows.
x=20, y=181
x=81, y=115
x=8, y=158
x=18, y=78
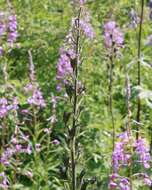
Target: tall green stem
x=139, y=69
x=128, y=104
x=73, y=139
x=111, y=97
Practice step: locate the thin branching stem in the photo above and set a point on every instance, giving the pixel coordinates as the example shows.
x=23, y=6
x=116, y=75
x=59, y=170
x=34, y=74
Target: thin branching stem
x=128, y=126
x=111, y=98
x=73, y=139
x=139, y=67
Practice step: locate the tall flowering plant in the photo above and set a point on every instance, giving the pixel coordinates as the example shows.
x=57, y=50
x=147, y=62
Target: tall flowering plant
x=8, y=31
x=113, y=41
x=129, y=153
x=14, y=142
x=68, y=77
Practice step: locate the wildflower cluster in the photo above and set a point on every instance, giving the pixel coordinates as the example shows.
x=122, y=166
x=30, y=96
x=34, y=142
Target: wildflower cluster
x=113, y=37
x=127, y=153
x=36, y=98
x=7, y=105
x=143, y=152
x=68, y=54
x=117, y=181
x=19, y=145
x=8, y=30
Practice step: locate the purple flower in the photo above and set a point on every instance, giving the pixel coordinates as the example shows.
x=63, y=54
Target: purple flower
x=25, y=111
x=28, y=150
x=59, y=87
x=147, y=181
x=6, y=155
x=1, y=50
x=12, y=28
x=47, y=130
x=112, y=35
x=112, y=185
x=124, y=184
x=18, y=148
x=56, y=142
x=6, y=106
x=3, y=107
x=36, y=99
x=142, y=150
x=4, y=182
x=28, y=87
x=29, y=174
x=64, y=68
x=14, y=140
x=87, y=29
x=119, y=156
x=38, y=147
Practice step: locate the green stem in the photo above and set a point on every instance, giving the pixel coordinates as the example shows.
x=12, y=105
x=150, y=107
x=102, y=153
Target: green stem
x=139, y=65
x=73, y=139
x=111, y=98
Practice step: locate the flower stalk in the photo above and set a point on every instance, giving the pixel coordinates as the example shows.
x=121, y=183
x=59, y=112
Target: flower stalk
x=111, y=98
x=73, y=139
x=138, y=117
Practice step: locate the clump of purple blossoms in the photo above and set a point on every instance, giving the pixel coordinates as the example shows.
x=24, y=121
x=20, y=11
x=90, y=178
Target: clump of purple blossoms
x=3, y=107
x=64, y=68
x=143, y=152
x=17, y=146
x=87, y=29
x=36, y=97
x=12, y=29
x=8, y=30
x=6, y=106
x=85, y=25
x=147, y=180
x=122, y=157
x=113, y=37
x=68, y=51
x=117, y=181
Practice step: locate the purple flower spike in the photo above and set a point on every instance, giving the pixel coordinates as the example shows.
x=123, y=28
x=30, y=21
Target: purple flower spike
x=142, y=150
x=64, y=68
x=87, y=29
x=3, y=107
x=112, y=35
x=12, y=27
